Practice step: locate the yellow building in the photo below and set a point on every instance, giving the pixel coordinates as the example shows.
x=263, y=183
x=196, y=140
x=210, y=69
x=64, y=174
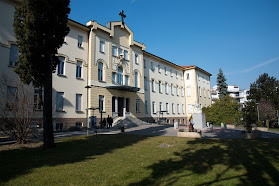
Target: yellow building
x=122, y=79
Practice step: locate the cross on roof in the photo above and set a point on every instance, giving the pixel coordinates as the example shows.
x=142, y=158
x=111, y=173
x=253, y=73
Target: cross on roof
x=122, y=16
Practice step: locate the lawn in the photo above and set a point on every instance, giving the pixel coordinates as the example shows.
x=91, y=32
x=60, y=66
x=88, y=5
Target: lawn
x=143, y=160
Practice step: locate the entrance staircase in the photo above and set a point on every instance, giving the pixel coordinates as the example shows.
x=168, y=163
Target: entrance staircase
x=128, y=122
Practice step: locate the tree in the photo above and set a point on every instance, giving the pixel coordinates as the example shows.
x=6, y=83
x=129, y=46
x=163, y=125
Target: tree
x=266, y=88
x=222, y=85
x=40, y=27
x=249, y=113
x=16, y=109
x=267, y=110
x=224, y=110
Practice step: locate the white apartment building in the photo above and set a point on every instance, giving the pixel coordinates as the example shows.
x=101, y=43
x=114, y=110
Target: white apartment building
x=239, y=95
x=124, y=79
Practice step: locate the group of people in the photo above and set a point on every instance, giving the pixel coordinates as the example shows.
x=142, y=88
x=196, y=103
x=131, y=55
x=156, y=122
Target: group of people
x=107, y=123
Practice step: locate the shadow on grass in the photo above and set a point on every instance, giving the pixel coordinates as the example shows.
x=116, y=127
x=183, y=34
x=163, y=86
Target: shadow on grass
x=18, y=162
x=251, y=160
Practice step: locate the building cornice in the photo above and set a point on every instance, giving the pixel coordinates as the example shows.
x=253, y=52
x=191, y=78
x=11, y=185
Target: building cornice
x=197, y=68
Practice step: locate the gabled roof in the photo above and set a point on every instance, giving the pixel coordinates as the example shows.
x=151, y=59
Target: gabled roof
x=94, y=25
x=196, y=67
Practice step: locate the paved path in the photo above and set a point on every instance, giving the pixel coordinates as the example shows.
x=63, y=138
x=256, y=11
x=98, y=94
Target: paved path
x=155, y=130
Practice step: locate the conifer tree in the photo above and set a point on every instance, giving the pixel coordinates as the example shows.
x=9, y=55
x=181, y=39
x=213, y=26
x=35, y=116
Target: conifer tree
x=40, y=27
x=222, y=85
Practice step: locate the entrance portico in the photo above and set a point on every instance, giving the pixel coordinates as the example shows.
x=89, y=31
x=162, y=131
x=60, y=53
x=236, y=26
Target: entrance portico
x=120, y=106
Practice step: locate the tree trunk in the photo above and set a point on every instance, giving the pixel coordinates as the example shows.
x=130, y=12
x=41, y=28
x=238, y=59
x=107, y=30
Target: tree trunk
x=47, y=108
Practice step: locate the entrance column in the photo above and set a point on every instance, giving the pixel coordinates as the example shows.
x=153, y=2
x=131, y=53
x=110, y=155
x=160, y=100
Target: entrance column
x=124, y=107
x=116, y=105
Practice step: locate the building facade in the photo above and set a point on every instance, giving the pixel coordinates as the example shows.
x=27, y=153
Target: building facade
x=103, y=69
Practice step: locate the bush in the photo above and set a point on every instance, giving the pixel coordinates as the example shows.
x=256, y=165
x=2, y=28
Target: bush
x=74, y=128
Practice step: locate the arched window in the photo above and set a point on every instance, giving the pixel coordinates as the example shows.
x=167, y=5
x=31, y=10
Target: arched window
x=119, y=76
x=100, y=71
x=136, y=79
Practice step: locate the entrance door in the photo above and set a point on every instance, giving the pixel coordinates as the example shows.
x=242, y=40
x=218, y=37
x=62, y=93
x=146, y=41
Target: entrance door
x=120, y=106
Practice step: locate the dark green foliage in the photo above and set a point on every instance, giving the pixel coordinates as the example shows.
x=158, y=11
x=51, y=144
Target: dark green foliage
x=222, y=85
x=267, y=88
x=40, y=27
x=249, y=114
x=224, y=110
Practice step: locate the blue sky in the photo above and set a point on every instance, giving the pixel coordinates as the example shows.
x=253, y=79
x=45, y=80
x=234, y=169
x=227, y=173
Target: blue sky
x=239, y=36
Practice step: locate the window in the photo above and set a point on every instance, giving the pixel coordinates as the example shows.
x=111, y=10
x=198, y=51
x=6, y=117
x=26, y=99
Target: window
x=13, y=55
x=119, y=76
x=126, y=57
x=167, y=107
x=79, y=41
x=188, y=91
x=60, y=70
x=171, y=89
x=200, y=91
x=177, y=92
x=152, y=66
x=126, y=80
x=11, y=97
x=153, y=85
x=78, y=102
x=171, y=72
x=189, y=108
x=101, y=103
x=137, y=105
x=79, y=124
x=37, y=99
x=59, y=126
x=187, y=76
x=100, y=71
x=136, y=80
x=120, y=51
x=165, y=70
x=136, y=59
x=160, y=87
x=172, y=107
x=59, y=101
x=182, y=92
x=176, y=75
x=145, y=83
x=153, y=107
x=178, y=110
x=166, y=88
x=79, y=69
x=102, y=46
x=159, y=68
x=113, y=78
x=114, y=51
x=160, y=106
x=146, y=107
x=144, y=63
x=180, y=76
x=183, y=109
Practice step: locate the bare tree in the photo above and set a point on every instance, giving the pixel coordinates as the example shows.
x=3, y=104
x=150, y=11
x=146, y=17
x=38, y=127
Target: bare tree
x=17, y=112
x=267, y=109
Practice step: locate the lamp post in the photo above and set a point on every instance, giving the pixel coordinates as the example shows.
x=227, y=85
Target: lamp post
x=87, y=122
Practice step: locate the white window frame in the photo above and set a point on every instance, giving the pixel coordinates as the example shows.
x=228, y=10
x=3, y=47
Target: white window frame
x=153, y=85
x=61, y=65
x=153, y=107
x=160, y=87
x=101, y=103
x=167, y=108
x=188, y=91
x=60, y=103
x=102, y=46
x=172, y=107
x=79, y=69
x=136, y=58
x=137, y=106
x=80, y=41
x=166, y=88
x=159, y=69
x=78, y=102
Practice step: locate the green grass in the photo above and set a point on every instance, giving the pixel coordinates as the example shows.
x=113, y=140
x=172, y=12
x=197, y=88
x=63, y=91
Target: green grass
x=143, y=160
